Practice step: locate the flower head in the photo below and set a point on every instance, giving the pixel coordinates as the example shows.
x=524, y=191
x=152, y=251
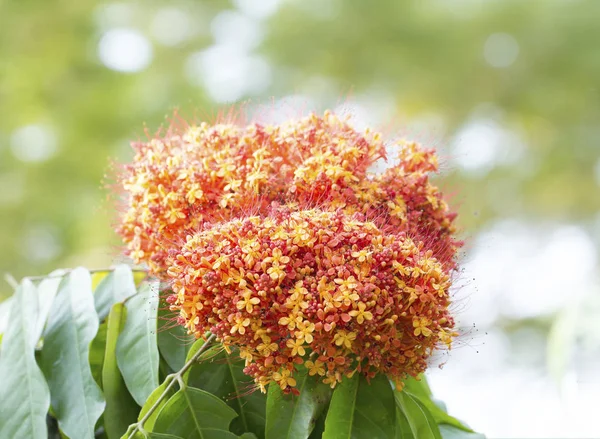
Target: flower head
x=279, y=240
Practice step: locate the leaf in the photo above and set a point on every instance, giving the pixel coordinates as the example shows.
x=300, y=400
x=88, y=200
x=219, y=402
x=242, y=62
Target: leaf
x=46, y=292
x=121, y=409
x=25, y=396
x=403, y=430
x=317, y=432
x=418, y=387
x=5, y=307
x=137, y=351
x=163, y=436
x=149, y=424
x=192, y=351
x=420, y=390
x=361, y=409
x=115, y=287
x=222, y=375
x=420, y=420
x=450, y=432
x=195, y=414
x=294, y=417
x=97, y=350
x=72, y=324
x=560, y=342
x=173, y=340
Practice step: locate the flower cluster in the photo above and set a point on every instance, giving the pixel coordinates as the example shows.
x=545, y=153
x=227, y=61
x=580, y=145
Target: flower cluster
x=282, y=242
x=208, y=174
x=317, y=288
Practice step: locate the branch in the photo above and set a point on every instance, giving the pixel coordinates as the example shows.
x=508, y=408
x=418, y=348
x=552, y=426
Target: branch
x=9, y=278
x=68, y=270
x=173, y=378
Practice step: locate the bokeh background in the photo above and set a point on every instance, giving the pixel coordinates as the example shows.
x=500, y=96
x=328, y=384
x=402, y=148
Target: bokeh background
x=508, y=91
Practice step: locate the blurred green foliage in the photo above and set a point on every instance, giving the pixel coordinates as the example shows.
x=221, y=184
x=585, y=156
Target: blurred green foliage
x=423, y=58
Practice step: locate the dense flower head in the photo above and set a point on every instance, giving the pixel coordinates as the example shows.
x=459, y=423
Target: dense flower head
x=284, y=243
x=210, y=173
x=323, y=289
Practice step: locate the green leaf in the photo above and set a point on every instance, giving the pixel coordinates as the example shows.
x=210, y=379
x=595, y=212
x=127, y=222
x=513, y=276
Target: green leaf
x=319, y=429
x=361, y=409
x=151, y=401
x=137, y=351
x=72, y=325
x=195, y=414
x=403, y=430
x=450, y=432
x=418, y=387
x=97, y=350
x=115, y=287
x=420, y=390
x=173, y=340
x=193, y=349
x=294, y=417
x=121, y=409
x=46, y=292
x=419, y=418
x=163, y=436
x=25, y=397
x=5, y=307
x=560, y=342
x=222, y=375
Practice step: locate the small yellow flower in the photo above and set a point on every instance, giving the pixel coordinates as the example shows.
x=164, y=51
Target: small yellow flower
x=240, y=325
x=248, y=302
x=173, y=215
x=304, y=331
x=420, y=324
x=291, y=321
x=332, y=380
x=343, y=338
x=266, y=349
x=284, y=379
x=296, y=346
x=315, y=368
x=361, y=315
x=362, y=256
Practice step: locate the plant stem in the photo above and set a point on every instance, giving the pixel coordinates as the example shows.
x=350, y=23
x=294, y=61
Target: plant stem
x=174, y=378
x=68, y=270
x=9, y=278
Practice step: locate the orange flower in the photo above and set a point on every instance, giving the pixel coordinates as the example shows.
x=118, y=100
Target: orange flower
x=282, y=242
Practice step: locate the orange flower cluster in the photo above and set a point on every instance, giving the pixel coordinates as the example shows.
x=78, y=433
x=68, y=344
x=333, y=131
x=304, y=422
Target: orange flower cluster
x=283, y=243
x=317, y=288
x=208, y=174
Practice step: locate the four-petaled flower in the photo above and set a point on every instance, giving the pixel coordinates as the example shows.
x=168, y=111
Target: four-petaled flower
x=247, y=302
x=360, y=314
x=315, y=368
x=297, y=347
x=343, y=338
x=421, y=326
x=284, y=379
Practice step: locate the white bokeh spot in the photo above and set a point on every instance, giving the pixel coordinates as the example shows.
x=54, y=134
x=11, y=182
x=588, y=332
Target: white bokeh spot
x=125, y=50
x=41, y=243
x=259, y=10
x=501, y=50
x=171, y=26
x=227, y=73
x=33, y=143
x=236, y=29
x=482, y=144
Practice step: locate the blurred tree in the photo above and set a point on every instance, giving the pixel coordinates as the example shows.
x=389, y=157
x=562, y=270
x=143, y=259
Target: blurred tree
x=65, y=114
x=528, y=71
x=532, y=67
